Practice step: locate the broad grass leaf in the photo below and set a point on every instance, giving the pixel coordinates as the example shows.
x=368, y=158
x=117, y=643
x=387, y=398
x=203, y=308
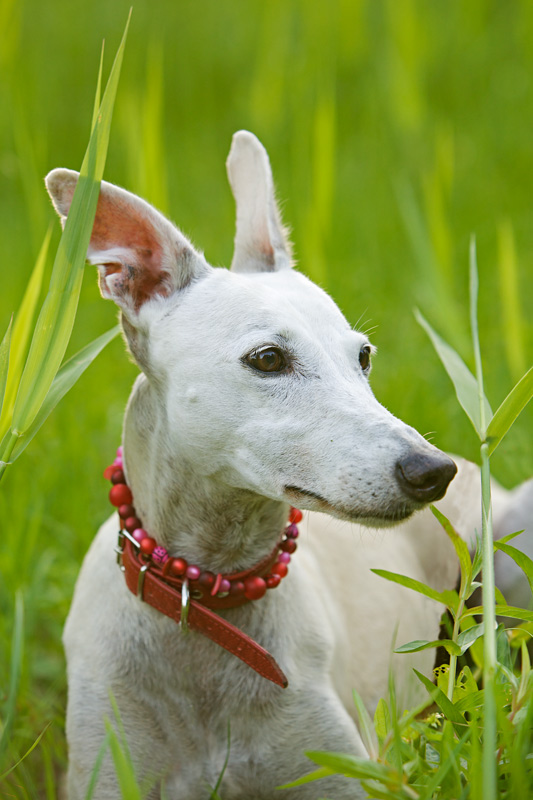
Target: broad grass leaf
x=422, y=644
x=466, y=387
x=366, y=728
x=55, y=322
x=524, y=561
x=445, y=705
x=22, y=331
x=5, y=349
x=510, y=409
x=65, y=379
x=448, y=598
x=470, y=701
x=467, y=638
x=459, y=544
x=382, y=721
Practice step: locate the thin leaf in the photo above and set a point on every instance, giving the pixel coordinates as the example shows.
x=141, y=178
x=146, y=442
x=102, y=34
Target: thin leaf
x=422, y=644
x=98, y=93
x=5, y=349
x=510, y=536
x=26, y=754
x=65, y=379
x=22, y=331
x=448, y=598
x=459, y=544
x=524, y=562
x=510, y=409
x=445, y=705
x=366, y=728
x=97, y=766
x=353, y=766
x=323, y=772
x=465, y=384
x=56, y=319
x=503, y=611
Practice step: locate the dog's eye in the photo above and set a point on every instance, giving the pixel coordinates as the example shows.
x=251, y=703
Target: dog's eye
x=364, y=357
x=269, y=359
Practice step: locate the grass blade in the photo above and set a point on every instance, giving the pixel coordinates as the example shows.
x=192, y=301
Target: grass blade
x=21, y=333
x=5, y=348
x=17, y=644
x=65, y=379
x=466, y=387
x=512, y=406
x=459, y=544
x=524, y=562
x=366, y=728
x=56, y=319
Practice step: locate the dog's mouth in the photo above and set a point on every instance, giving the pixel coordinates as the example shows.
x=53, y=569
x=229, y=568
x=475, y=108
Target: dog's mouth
x=386, y=516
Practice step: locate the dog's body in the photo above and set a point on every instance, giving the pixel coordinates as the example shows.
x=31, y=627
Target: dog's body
x=254, y=396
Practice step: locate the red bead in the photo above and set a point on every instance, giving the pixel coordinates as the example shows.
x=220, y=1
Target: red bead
x=193, y=572
x=108, y=471
x=148, y=545
x=120, y=494
x=273, y=581
x=132, y=523
x=254, y=588
x=291, y=532
x=289, y=546
x=126, y=511
x=280, y=569
x=295, y=515
x=236, y=588
x=207, y=580
x=118, y=476
x=178, y=566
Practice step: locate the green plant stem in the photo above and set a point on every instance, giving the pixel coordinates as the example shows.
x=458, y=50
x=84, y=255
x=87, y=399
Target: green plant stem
x=489, y=638
x=455, y=634
x=4, y=460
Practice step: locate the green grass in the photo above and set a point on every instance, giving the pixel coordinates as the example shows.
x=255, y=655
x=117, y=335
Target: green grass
x=395, y=130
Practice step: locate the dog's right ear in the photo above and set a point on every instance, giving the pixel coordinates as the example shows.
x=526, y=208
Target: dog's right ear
x=140, y=255
x=261, y=244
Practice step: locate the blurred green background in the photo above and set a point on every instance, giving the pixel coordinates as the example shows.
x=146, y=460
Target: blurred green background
x=396, y=129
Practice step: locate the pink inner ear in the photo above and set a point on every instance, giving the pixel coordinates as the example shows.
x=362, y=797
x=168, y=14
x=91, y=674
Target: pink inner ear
x=121, y=225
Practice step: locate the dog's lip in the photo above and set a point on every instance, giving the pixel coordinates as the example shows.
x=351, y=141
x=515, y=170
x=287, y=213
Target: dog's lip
x=363, y=517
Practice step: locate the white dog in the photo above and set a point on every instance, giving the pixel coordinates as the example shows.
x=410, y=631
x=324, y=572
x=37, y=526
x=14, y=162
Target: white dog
x=253, y=397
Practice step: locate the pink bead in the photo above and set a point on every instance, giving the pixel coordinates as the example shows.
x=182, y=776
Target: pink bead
x=139, y=534
x=160, y=555
x=225, y=585
x=193, y=572
x=284, y=558
x=291, y=532
x=120, y=450
x=118, y=462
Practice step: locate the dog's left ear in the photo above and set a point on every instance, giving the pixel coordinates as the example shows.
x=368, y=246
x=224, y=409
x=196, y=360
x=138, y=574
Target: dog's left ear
x=261, y=244
x=140, y=255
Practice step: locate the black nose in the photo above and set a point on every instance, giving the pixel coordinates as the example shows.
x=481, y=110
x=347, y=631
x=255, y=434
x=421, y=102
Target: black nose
x=425, y=476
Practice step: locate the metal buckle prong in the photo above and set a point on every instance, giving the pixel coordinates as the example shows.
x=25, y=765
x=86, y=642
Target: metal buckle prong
x=185, y=605
x=119, y=549
x=140, y=582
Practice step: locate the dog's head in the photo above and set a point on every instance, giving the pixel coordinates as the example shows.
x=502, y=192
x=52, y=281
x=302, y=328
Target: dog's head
x=257, y=376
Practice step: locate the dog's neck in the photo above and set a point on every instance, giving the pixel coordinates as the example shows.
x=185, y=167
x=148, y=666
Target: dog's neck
x=194, y=516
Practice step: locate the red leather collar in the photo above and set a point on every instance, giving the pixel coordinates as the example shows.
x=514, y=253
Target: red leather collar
x=165, y=593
